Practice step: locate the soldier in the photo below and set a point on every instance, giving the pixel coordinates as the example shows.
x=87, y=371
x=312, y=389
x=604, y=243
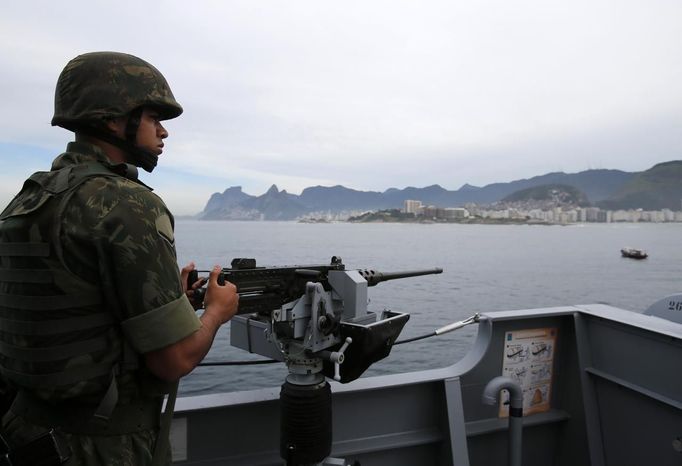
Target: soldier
x=95, y=321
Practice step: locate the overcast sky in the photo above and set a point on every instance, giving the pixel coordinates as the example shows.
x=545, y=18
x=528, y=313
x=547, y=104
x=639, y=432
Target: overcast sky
x=367, y=94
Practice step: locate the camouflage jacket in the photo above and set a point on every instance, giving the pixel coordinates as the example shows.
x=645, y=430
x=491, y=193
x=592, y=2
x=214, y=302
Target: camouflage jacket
x=110, y=256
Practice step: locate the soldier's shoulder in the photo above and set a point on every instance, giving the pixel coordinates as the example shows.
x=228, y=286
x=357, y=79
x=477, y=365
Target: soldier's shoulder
x=103, y=194
x=117, y=187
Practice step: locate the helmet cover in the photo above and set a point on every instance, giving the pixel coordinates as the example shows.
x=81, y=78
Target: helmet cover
x=97, y=86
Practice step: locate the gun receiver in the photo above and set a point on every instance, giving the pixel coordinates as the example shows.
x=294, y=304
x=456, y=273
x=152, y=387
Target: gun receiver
x=264, y=289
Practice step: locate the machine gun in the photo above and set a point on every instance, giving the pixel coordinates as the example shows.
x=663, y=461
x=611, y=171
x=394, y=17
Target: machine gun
x=315, y=319
x=263, y=289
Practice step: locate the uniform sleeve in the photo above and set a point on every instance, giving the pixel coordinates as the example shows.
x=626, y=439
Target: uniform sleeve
x=140, y=245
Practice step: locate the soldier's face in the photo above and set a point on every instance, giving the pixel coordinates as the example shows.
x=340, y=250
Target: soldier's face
x=151, y=133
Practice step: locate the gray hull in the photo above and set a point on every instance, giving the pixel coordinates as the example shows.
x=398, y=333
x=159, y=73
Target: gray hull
x=616, y=400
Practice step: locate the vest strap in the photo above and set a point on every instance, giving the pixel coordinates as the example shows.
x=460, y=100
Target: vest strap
x=50, y=303
x=108, y=402
x=56, y=326
x=56, y=379
x=163, y=440
x=25, y=275
x=54, y=182
x=78, y=418
x=54, y=353
x=24, y=249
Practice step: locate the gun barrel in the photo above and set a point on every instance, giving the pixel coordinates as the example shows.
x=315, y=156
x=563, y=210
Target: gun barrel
x=373, y=277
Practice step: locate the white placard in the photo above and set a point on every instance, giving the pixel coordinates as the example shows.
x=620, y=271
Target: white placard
x=529, y=359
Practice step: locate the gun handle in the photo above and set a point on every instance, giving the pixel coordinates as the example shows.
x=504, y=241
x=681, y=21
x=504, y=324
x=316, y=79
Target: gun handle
x=192, y=278
x=197, y=298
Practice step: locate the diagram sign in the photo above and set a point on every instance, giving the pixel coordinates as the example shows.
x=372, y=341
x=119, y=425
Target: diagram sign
x=529, y=359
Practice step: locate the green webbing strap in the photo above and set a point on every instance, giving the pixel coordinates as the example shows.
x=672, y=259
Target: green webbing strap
x=24, y=249
x=25, y=276
x=54, y=327
x=108, y=401
x=58, y=181
x=163, y=440
x=50, y=303
x=77, y=418
x=56, y=352
x=53, y=182
x=64, y=377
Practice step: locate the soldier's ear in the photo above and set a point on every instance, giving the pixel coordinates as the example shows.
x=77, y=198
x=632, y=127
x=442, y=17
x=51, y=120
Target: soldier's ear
x=117, y=126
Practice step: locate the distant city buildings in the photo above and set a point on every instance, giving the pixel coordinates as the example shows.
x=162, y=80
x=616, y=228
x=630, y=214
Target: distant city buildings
x=544, y=214
x=448, y=213
x=324, y=216
x=412, y=207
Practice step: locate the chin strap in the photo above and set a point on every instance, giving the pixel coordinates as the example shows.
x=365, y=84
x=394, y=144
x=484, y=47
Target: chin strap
x=133, y=124
x=138, y=156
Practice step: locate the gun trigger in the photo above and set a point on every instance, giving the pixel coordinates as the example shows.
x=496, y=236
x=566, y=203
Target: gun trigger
x=198, y=297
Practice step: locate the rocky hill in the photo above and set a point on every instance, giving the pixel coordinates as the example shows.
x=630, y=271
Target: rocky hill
x=554, y=194
x=225, y=205
x=658, y=187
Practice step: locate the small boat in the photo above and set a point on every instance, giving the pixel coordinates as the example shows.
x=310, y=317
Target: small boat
x=633, y=253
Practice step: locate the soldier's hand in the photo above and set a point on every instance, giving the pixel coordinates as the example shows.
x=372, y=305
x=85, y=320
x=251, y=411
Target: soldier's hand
x=221, y=300
x=193, y=298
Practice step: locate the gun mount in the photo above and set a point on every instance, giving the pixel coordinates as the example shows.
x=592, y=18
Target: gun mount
x=315, y=319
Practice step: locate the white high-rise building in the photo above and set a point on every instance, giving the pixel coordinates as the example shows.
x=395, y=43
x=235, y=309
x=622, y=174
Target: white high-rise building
x=412, y=207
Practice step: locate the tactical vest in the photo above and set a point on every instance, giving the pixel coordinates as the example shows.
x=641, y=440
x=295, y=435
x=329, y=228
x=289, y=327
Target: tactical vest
x=59, y=335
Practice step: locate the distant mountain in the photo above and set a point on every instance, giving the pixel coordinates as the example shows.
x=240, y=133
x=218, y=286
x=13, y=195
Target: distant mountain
x=596, y=184
x=432, y=195
x=659, y=186
x=276, y=205
x=223, y=206
x=337, y=198
x=555, y=194
x=233, y=204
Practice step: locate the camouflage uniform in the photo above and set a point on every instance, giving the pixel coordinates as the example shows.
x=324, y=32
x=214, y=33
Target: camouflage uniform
x=110, y=261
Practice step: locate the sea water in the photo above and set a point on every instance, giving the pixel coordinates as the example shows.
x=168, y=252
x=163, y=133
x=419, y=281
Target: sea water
x=486, y=268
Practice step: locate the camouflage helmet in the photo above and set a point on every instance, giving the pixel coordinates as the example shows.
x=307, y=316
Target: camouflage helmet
x=97, y=86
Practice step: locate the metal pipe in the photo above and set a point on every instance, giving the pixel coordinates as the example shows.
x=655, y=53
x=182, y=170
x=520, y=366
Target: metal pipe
x=490, y=395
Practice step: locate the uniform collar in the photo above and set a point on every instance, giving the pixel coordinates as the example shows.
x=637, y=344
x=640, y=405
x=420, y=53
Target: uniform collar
x=78, y=153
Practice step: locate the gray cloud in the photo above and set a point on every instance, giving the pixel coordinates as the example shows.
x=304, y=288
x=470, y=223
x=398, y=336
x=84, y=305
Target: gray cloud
x=370, y=94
